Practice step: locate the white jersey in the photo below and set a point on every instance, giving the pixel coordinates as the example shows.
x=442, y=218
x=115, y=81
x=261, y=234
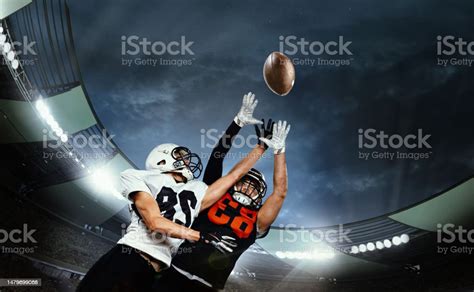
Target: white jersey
x=179, y=202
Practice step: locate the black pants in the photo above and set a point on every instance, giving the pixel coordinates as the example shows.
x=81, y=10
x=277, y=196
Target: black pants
x=121, y=269
x=171, y=280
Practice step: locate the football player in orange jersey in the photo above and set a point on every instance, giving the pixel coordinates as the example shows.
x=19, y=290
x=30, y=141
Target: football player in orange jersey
x=241, y=213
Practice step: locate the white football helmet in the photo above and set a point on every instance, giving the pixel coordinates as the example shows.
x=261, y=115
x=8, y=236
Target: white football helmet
x=170, y=157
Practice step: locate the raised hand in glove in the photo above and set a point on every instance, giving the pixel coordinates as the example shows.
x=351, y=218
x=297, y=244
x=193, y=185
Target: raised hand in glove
x=245, y=115
x=277, y=142
x=222, y=243
x=263, y=131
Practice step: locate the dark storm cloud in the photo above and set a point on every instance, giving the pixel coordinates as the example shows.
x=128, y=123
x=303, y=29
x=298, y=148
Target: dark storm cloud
x=392, y=84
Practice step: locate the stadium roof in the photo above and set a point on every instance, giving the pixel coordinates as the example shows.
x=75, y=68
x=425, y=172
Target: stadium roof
x=75, y=180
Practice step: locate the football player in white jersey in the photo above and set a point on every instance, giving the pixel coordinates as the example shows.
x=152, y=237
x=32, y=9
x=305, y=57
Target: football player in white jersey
x=165, y=200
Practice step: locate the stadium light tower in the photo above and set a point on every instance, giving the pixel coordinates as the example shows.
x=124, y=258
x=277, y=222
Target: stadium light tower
x=7, y=49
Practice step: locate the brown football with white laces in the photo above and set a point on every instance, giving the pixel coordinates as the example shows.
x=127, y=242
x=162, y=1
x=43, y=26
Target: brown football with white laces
x=279, y=73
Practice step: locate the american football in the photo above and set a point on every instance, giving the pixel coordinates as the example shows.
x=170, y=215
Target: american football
x=279, y=73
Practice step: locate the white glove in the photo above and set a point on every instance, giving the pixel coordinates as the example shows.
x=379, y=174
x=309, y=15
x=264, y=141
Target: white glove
x=280, y=131
x=245, y=115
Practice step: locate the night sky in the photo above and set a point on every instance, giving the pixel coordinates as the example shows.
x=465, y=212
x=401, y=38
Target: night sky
x=392, y=83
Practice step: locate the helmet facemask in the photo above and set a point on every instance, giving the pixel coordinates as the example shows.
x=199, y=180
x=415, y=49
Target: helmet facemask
x=169, y=157
x=187, y=163
x=250, y=189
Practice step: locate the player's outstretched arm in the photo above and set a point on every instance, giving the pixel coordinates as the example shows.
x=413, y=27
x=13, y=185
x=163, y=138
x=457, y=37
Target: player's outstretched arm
x=270, y=209
x=244, y=117
x=222, y=185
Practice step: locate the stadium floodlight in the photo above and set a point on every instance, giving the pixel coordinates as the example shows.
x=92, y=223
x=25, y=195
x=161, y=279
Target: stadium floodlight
x=41, y=107
x=405, y=238
x=354, y=249
x=379, y=245
x=362, y=248
x=15, y=64
x=52, y=122
x=301, y=255
x=46, y=115
x=55, y=127
x=58, y=132
x=64, y=138
x=396, y=240
x=99, y=175
x=370, y=246
x=49, y=118
x=280, y=254
x=3, y=39
x=325, y=254
x=297, y=255
x=387, y=243
x=7, y=47
x=11, y=56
